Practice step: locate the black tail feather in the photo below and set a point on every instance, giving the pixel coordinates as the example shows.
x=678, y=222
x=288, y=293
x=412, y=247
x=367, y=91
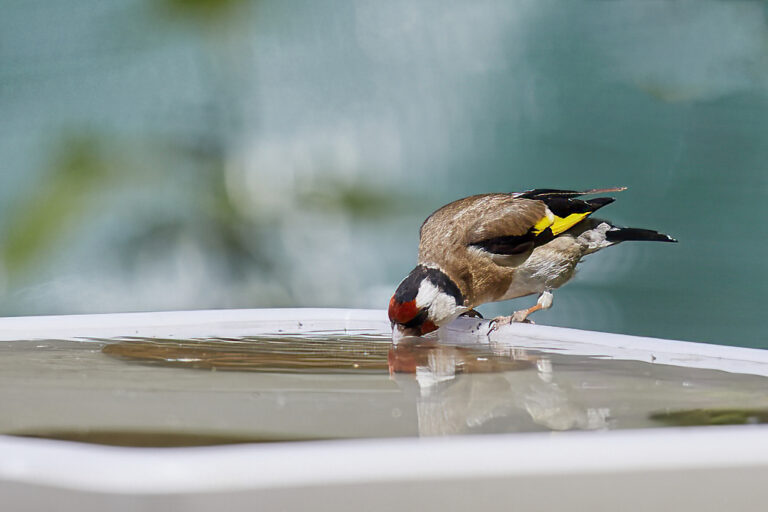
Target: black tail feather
x=629, y=234
x=599, y=202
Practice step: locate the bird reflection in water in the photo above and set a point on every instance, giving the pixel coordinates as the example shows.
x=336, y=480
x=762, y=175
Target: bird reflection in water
x=486, y=389
x=459, y=381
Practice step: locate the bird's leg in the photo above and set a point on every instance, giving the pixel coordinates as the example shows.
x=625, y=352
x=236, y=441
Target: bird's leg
x=544, y=302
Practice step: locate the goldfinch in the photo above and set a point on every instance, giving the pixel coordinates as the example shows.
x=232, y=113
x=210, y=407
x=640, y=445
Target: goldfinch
x=494, y=247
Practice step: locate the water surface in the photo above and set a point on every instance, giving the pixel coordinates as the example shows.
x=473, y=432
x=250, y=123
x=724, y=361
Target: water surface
x=163, y=392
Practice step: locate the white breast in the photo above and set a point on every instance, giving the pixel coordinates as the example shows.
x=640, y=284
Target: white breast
x=548, y=267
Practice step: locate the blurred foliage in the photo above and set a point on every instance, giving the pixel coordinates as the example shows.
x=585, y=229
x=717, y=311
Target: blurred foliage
x=360, y=200
x=202, y=11
x=433, y=101
x=79, y=167
x=85, y=170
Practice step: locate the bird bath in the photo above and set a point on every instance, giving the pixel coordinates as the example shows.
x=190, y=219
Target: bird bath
x=193, y=407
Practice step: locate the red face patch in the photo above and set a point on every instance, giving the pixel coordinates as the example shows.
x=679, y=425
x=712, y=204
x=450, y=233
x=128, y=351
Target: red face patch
x=402, y=312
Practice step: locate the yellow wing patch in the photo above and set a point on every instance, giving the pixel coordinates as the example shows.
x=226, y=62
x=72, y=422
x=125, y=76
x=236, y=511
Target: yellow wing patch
x=558, y=224
x=564, y=224
x=544, y=223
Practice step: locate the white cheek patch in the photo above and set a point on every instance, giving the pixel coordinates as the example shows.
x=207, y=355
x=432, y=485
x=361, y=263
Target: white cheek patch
x=427, y=294
x=441, y=306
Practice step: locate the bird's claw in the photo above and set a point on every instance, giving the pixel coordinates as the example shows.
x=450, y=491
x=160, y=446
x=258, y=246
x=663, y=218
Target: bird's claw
x=498, y=322
x=516, y=317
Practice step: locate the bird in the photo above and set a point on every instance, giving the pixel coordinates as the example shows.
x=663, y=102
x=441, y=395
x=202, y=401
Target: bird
x=500, y=246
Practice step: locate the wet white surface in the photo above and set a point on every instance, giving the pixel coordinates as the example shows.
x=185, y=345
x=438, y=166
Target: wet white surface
x=559, y=383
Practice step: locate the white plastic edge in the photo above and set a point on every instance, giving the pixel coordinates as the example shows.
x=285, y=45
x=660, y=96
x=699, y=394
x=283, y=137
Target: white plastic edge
x=243, y=322
x=192, y=324
x=148, y=471
x=230, y=468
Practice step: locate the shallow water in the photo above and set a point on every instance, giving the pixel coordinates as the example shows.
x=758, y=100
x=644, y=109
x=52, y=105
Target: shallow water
x=154, y=392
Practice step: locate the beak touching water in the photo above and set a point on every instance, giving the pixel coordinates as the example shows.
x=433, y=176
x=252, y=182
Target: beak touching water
x=408, y=320
x=399, y=331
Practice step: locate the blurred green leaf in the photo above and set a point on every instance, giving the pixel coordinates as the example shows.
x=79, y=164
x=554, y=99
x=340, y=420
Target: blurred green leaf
x=44, y=215
x=360, y=200
x=204, y=11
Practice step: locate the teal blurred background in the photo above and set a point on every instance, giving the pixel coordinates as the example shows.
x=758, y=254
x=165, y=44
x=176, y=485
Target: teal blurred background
x=177, y=154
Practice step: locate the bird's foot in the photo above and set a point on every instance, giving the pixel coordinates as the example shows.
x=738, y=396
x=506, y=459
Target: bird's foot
x=516, y=317
x=521, y=316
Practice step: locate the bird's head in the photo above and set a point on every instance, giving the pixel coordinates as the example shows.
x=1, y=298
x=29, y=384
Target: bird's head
x=424, y=301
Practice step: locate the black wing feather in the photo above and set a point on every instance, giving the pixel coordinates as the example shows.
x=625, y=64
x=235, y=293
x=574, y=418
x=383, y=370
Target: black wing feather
x=511, y=245
x=542, y=193
x=564, y=202
x=561, y=203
